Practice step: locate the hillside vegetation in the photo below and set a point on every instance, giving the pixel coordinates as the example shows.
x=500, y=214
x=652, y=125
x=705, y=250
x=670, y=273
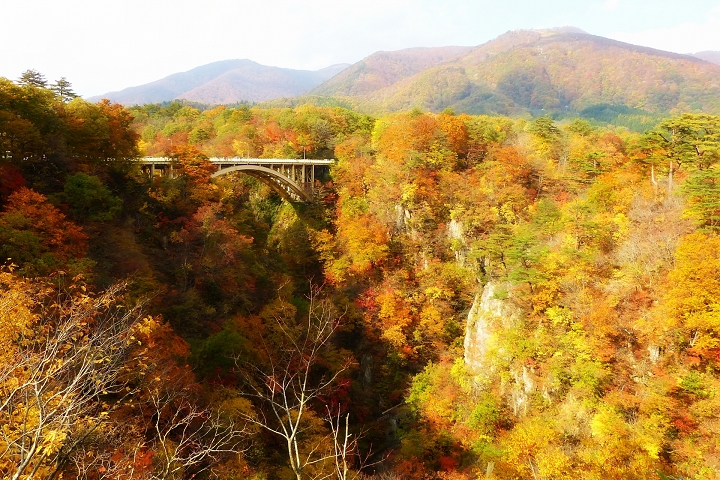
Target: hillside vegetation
x=540, y=72
x=563, y=72
x=469, y=296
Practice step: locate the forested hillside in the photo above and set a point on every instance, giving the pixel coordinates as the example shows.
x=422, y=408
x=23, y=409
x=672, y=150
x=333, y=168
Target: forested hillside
x=563, y=72
x=560, y=71
x=382, y=69
x=468, y=297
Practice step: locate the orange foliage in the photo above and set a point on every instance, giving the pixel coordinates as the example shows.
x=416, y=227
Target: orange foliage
x=406, y=134
x=413, y=470
x=121, y=140
x=448, y=463
x=351, y=174
x=456, y=132
x=29, y=210
x=350, y=148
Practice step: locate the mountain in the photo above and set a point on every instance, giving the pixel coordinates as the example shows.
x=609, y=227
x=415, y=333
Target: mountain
x=383, y=69
x=227, y=81
x=559, y=70
x=708, y=56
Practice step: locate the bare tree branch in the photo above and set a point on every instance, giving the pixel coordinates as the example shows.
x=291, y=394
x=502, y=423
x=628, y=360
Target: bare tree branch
x=290, y=383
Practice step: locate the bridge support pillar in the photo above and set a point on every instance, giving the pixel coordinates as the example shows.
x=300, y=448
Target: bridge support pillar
x=289, y=177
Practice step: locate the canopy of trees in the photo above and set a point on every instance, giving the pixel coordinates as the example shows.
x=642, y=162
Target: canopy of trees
x=186, y=328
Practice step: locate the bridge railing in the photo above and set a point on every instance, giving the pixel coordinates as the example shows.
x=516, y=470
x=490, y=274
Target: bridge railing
x=244, y=160
x=292, y=178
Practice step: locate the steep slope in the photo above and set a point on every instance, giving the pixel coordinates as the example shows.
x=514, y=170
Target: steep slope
x=548, y=71
x=227, y=81
x=383, y=69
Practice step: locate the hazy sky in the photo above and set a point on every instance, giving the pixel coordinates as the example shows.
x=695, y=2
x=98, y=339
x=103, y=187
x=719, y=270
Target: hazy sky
x=103, y=45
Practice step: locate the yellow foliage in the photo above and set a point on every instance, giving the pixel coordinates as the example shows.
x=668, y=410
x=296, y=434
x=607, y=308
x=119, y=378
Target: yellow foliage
x=16, y=318
x=52, y=442
x=523, y=444
x=607, y=425
x=553, y=462
x=409, y=190
x=431, y=320
x=649, y=436
x=143, y=147
x=693, y=298
x=395, y=336
x=622, y=227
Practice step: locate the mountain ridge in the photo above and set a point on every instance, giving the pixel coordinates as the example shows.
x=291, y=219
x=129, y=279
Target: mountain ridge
x=397, y=65
x=532, y=71
x=216, y=83
x=557, y=70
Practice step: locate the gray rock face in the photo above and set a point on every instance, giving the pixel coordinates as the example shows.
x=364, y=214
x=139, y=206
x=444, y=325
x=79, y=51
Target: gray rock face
x=456, y=230
x=402, y=216
x=520, y=392
x=456, y=233
x=654, y=353
x=491, y=311
x=488, y=308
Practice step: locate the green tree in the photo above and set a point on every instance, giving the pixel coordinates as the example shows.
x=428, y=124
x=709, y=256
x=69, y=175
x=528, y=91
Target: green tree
x=32, y=78
x=691, y=139
x=547, y=138
x=90, y=199
x=703, y=192
x=63, y=89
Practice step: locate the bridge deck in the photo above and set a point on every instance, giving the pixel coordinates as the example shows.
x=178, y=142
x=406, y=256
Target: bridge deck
x=292, y=178
x=244, y=161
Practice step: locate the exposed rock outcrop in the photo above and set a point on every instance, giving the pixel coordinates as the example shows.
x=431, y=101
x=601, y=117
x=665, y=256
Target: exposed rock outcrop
x=520, y=393
x=490, y=308
x=456, y=234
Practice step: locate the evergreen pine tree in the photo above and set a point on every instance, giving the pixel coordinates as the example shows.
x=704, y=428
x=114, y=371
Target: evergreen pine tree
x=32, y=78
x=63, y=89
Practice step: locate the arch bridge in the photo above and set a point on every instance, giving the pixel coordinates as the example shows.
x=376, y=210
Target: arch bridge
x=293, y=179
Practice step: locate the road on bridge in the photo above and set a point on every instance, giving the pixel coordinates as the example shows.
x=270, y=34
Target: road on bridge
x=293, y=179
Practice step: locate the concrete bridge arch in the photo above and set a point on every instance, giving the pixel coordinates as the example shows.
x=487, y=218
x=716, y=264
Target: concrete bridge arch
x=287, y=188
x=293, y=179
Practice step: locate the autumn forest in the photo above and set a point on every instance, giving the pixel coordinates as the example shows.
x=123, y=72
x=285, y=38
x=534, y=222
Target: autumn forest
x=468, y=296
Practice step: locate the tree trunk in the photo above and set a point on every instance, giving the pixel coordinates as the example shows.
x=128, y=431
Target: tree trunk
x=652, y=178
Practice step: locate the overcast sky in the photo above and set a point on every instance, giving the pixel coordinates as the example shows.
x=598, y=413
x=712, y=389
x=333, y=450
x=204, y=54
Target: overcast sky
x=103, y=45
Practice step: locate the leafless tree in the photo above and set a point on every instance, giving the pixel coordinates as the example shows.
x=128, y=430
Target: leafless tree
x=71, y=372
x=343, y=443
x=53, y=392
x=291, y=381
x=185, y=436
x=346, y=446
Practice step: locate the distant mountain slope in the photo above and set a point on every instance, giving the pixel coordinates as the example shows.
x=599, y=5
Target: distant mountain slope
x=708, y=56
x=382, y=69
x=556, y=70
x=228, y=81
